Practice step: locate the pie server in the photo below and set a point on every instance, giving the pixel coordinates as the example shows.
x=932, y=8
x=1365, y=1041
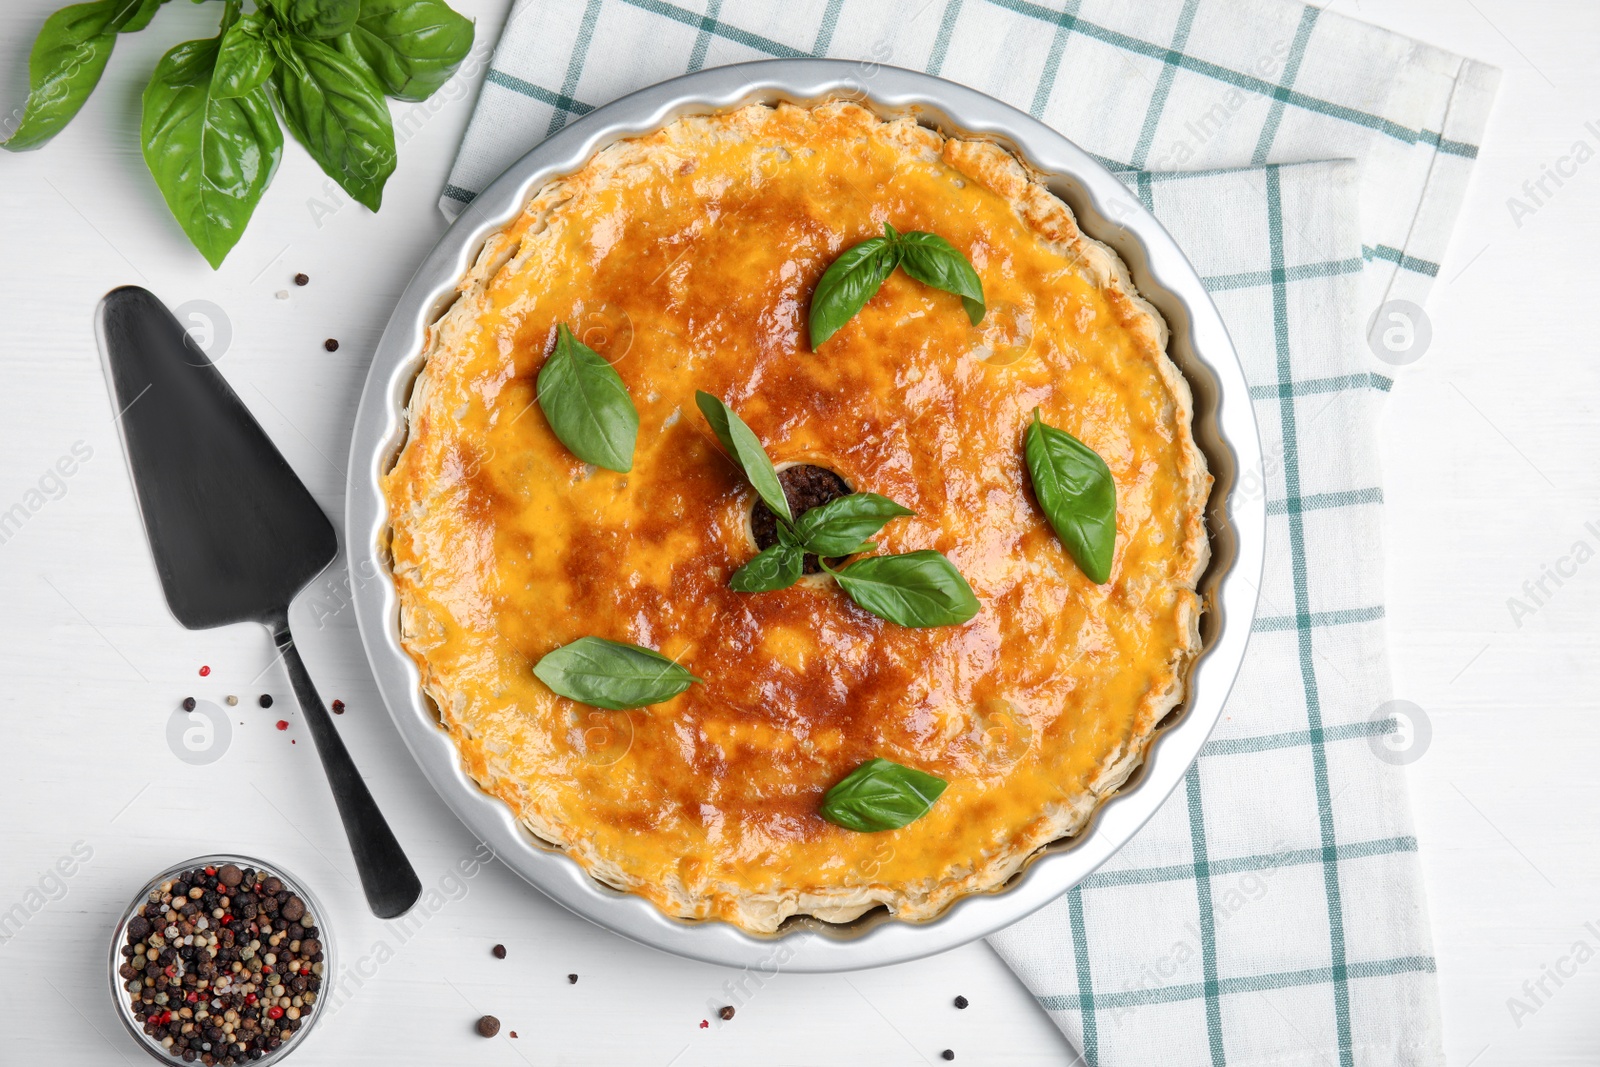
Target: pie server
x=234, y=533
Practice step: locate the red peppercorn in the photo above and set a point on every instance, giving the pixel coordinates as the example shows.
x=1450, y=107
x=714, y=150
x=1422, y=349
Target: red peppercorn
x=274, y=1012
x=192, y=998
x=204, y=671
x=211, y=870
x=283, y=724
x=225, y=920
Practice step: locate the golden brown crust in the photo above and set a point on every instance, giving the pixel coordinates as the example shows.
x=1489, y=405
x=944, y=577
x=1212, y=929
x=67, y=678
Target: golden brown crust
x=705, y=239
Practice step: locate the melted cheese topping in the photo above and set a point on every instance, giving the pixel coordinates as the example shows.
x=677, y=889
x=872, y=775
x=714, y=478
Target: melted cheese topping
x=688, y=258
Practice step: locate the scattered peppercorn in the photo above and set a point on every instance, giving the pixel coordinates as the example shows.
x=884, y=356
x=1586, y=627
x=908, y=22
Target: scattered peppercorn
x=726, y=1013
x=231, y=700
x=266, y=700
x=283, y=724
x=301, y=279
x=188, y=703
x=948, y=1054
x=961, y=1002
x=223, y=965
x=499, y=952
x=204, y=671
x=331, y=345
x=488, y=1026
x=513, y=1035
x=338, y=707
x=572, y=979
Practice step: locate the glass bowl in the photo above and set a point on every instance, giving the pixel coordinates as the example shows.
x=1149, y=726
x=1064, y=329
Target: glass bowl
x=297, y=887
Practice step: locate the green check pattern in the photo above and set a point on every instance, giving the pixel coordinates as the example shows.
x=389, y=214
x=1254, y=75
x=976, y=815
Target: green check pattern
x=1312, y=166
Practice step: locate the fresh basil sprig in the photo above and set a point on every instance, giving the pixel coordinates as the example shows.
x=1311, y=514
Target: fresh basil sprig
x=881, y=795
x=853, y=278
x=914, y=589
x=329, y=62
x=586, y=404
x=612, y=674
x=1076, y=491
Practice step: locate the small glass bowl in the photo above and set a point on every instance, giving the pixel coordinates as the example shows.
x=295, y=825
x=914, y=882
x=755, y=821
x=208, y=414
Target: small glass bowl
x=314, y=907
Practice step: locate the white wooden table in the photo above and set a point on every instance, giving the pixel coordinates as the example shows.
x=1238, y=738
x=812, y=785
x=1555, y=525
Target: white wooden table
x=1490, y=450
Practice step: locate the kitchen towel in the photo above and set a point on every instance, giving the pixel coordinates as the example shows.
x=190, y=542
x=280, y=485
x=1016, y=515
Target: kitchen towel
x=1312, y=167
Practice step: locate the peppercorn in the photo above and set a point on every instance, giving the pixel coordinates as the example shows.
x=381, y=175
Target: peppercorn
x=488, y=1026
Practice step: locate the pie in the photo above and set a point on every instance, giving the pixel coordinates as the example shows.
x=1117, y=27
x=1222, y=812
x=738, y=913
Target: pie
x=687, y=259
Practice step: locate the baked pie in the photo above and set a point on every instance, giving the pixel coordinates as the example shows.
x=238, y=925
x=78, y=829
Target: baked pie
x=688, y=260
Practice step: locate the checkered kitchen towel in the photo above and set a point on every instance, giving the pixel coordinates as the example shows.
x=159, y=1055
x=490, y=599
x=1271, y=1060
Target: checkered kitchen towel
x=1312, y=166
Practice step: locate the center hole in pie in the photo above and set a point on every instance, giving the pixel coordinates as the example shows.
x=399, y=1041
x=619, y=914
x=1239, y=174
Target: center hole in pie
x=806, y=486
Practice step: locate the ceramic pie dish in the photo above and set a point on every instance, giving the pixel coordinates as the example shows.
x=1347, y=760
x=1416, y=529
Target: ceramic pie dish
x=707, y=817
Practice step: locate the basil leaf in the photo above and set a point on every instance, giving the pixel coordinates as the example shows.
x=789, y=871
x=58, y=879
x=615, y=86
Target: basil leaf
x=848, y=284
x=839, y=527
x=412, y=46
x=746, y=450
x=212, y=158
x=336, y=110
x=586, y=404
x=68, y=57
x=245, y=59
x=1079, y=498
x=932, y=260
x=779, y=567
x=881, y=795
x=914, y=589
x=318, y=18
x=611, y=674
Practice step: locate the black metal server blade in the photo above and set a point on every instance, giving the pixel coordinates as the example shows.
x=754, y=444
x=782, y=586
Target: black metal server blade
x=234, y=532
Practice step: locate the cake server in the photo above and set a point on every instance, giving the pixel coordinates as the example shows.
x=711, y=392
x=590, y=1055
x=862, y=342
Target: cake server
x=234, y=533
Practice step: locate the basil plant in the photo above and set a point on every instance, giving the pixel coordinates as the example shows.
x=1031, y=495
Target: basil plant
x=210, y=127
